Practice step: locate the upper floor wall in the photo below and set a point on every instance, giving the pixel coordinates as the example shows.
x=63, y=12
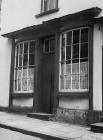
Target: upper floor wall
x=19, y=14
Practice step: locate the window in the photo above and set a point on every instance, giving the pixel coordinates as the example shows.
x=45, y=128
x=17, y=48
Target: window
x=74, y=60
x=49, y=45
x=24, y=67
x=48, y=5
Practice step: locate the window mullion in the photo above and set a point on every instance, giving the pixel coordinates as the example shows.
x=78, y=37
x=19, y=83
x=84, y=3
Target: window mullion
x=79, y=55
x=28, y=67
x=22, y=68
x=71, y=58
x=15, y=68
x=65, y=63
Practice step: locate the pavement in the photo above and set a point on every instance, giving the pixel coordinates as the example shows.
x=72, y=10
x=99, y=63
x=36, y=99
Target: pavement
x=45, y=130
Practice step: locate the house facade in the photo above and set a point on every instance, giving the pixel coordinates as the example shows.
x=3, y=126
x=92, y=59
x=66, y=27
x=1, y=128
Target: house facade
x=52, y=58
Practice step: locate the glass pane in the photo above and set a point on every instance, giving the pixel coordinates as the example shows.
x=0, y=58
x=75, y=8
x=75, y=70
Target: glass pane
x=32, y=47
x=62, y=81
x=31, y=59
x=52, y=45
x=31, y=73
x=84, y=35
x=63, y=48
x=46, y=5
x=69, y=38
x=26, y=47
x=19, y=74
x=62, y=69
x=84, y=81
x=21, y=49
x=76, y=34
x=25, y=73
x=15, y=82
x=31, y=84
x=84, y=50
x=24, y=84
x=19, y=85
x=52, y=4
x=84, y=75
x=75, y=81
x=68, y=52
x=68, y=81
x=75, y=51
x=25, y=60
x=20, y=60
x=46, y=46
x=75, y=68
x=68, y=69
x=16, y=61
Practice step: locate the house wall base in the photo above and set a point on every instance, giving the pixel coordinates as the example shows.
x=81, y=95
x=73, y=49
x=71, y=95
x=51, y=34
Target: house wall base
x=76, y=116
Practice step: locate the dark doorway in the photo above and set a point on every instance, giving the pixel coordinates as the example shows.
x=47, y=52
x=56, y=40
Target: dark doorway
x=48, y=76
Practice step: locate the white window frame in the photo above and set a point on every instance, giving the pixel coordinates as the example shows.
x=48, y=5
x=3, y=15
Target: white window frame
x=33, y=66
x=72, y=90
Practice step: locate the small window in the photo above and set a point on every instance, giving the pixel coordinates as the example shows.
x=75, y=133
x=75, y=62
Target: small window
x=47, y=5
x=49, y=45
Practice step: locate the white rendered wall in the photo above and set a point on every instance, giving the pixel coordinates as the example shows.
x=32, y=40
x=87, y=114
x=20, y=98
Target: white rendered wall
x=5, y=61
x=74, y=103
x=18, y=14
x=97, y=67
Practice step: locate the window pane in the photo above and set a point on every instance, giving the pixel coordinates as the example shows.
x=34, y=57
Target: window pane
x=46, y=5
x=24, y=85
x=31, y=73
x=84, y=50
x=75, y=68
x=52, y=4
x=69, y=38
x=19, y=74
x=20, y=60
x=46, y=46
x=68, y=69
x=32, y=47
x=31, y=59
x=84, y=75
x=68, y=52
x=31, y=84
x=21, y=49
x=75, y=51
x=26, y=47
x=15, y=82
x=25, y=73
x=52, y=45
x=16, y=61
x=84, y=35
x=25, y=60
x=68, y=81
x=76, y=36
x=75, y=81
x=19, y=85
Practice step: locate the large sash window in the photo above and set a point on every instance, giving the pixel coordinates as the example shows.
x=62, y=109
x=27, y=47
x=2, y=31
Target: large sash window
x=24, y=67
x=74, y=60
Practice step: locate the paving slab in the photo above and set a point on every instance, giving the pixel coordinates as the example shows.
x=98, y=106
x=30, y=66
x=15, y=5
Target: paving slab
x=47, y=130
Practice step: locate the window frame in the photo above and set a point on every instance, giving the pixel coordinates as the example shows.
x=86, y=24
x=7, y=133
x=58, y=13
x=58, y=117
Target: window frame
x=48, y=8
x=60, y=48
x=14, y=67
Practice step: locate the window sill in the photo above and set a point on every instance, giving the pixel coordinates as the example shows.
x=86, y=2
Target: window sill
x=22, y=95
x=47, y=12
x=74, y=94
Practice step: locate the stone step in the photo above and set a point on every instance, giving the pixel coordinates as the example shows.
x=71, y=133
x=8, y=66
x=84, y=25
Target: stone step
x=97, y=127
x=41, y=116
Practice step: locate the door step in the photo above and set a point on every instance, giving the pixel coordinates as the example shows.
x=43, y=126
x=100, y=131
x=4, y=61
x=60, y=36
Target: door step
x=97, y=127
x=41, y=116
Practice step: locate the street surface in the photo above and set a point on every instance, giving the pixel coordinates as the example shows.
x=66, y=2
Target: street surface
x=12, y=135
